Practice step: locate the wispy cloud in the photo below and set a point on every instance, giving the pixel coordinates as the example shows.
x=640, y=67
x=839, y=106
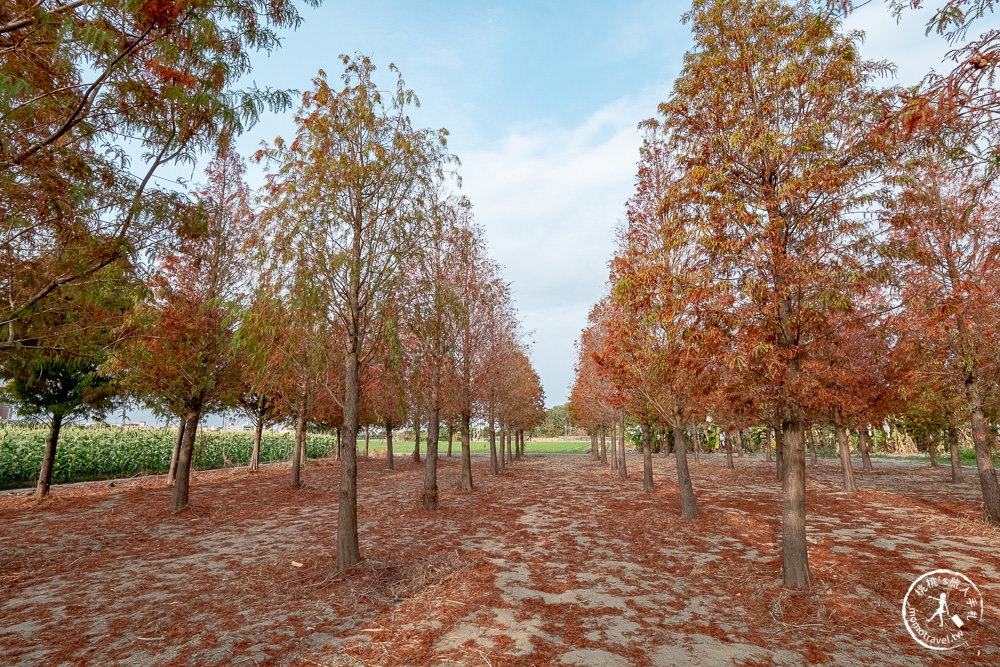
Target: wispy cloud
x=550, y=199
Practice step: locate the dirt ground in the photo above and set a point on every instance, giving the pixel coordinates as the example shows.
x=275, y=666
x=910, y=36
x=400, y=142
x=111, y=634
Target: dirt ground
x=555, y=561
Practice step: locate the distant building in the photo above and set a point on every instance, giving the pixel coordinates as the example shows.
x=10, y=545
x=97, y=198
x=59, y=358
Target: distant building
x=134, y=425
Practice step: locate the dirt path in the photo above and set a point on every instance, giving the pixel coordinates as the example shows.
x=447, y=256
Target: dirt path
x=554, y=562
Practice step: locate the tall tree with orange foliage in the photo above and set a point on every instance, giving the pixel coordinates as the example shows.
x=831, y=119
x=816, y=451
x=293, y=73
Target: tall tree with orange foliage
x=182, y=348
x=654, y=320
x=772, y=121
x=945, y=239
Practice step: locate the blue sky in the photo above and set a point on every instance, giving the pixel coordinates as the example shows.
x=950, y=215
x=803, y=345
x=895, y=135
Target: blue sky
x=542, y=100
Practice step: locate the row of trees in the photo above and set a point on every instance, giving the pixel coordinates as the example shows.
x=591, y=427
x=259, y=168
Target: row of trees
x=802, y=246
x=355, y=288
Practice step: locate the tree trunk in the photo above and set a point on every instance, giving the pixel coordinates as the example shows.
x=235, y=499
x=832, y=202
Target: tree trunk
x=48, y=458
x=430, y=495
x=258, y=434
x=614, y=446
x=494, y=464
x=779, y=453
x=845, y=457
x=931, y=445
x=594, y=454
x=689, y=507
x=466, y=452
x=795, y=554
x=767, y=445
x=956, y=459
x=368, y=428
x=984, y=461
x=172, y=475
x=510, y=445
x=697, y=443
x=604, y=446
x=300, y=442
x=388, y=445
x=622, y=470
x=503, y=446
x=416, y=439
x=729, y=448
x=340, y=444
x=182, y=479
x=863, y=447
x=739, y=443
x=812, y=443
x=647, y=458
x=348, y=550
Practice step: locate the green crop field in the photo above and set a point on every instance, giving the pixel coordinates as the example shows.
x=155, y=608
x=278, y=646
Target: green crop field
x=86, y=453
x=91, y=453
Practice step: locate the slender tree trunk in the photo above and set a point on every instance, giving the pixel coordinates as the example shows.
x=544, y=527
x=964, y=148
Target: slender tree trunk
x=689, y=508
x=779, y=453
x=388, y=445
x=510, y=446
x=647, y=458
x=931, y=445
x=845, y=457
x=984, y=461
x=430, y=495
x=48, y=458
x=258, y=434
x=622, y=470
x=767, y=445
x=739, y=443
x=795, y=554
x=451, y=438
x=494, y=464
x=604, y=446
x=614, y=446
x=172, y=475
x=348, y=550
x=594, y=454
x=416, y=438
x=953, y=447
x=729, y=448
x=812, y=443
x=466, y=452
x=340, y=443
x=179, y=496
x=367, y=437
x=863, y=447
x=300, y=442
x=304, y=451
x=697, y=443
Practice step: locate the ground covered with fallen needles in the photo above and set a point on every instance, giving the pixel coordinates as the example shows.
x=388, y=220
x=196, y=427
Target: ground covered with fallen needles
x=555, y=561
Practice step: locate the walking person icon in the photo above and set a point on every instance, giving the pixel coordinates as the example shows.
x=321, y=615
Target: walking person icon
x=941, y=610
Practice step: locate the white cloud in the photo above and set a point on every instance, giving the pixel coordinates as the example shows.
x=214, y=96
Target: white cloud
x=550, y=199
x=904, y=43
